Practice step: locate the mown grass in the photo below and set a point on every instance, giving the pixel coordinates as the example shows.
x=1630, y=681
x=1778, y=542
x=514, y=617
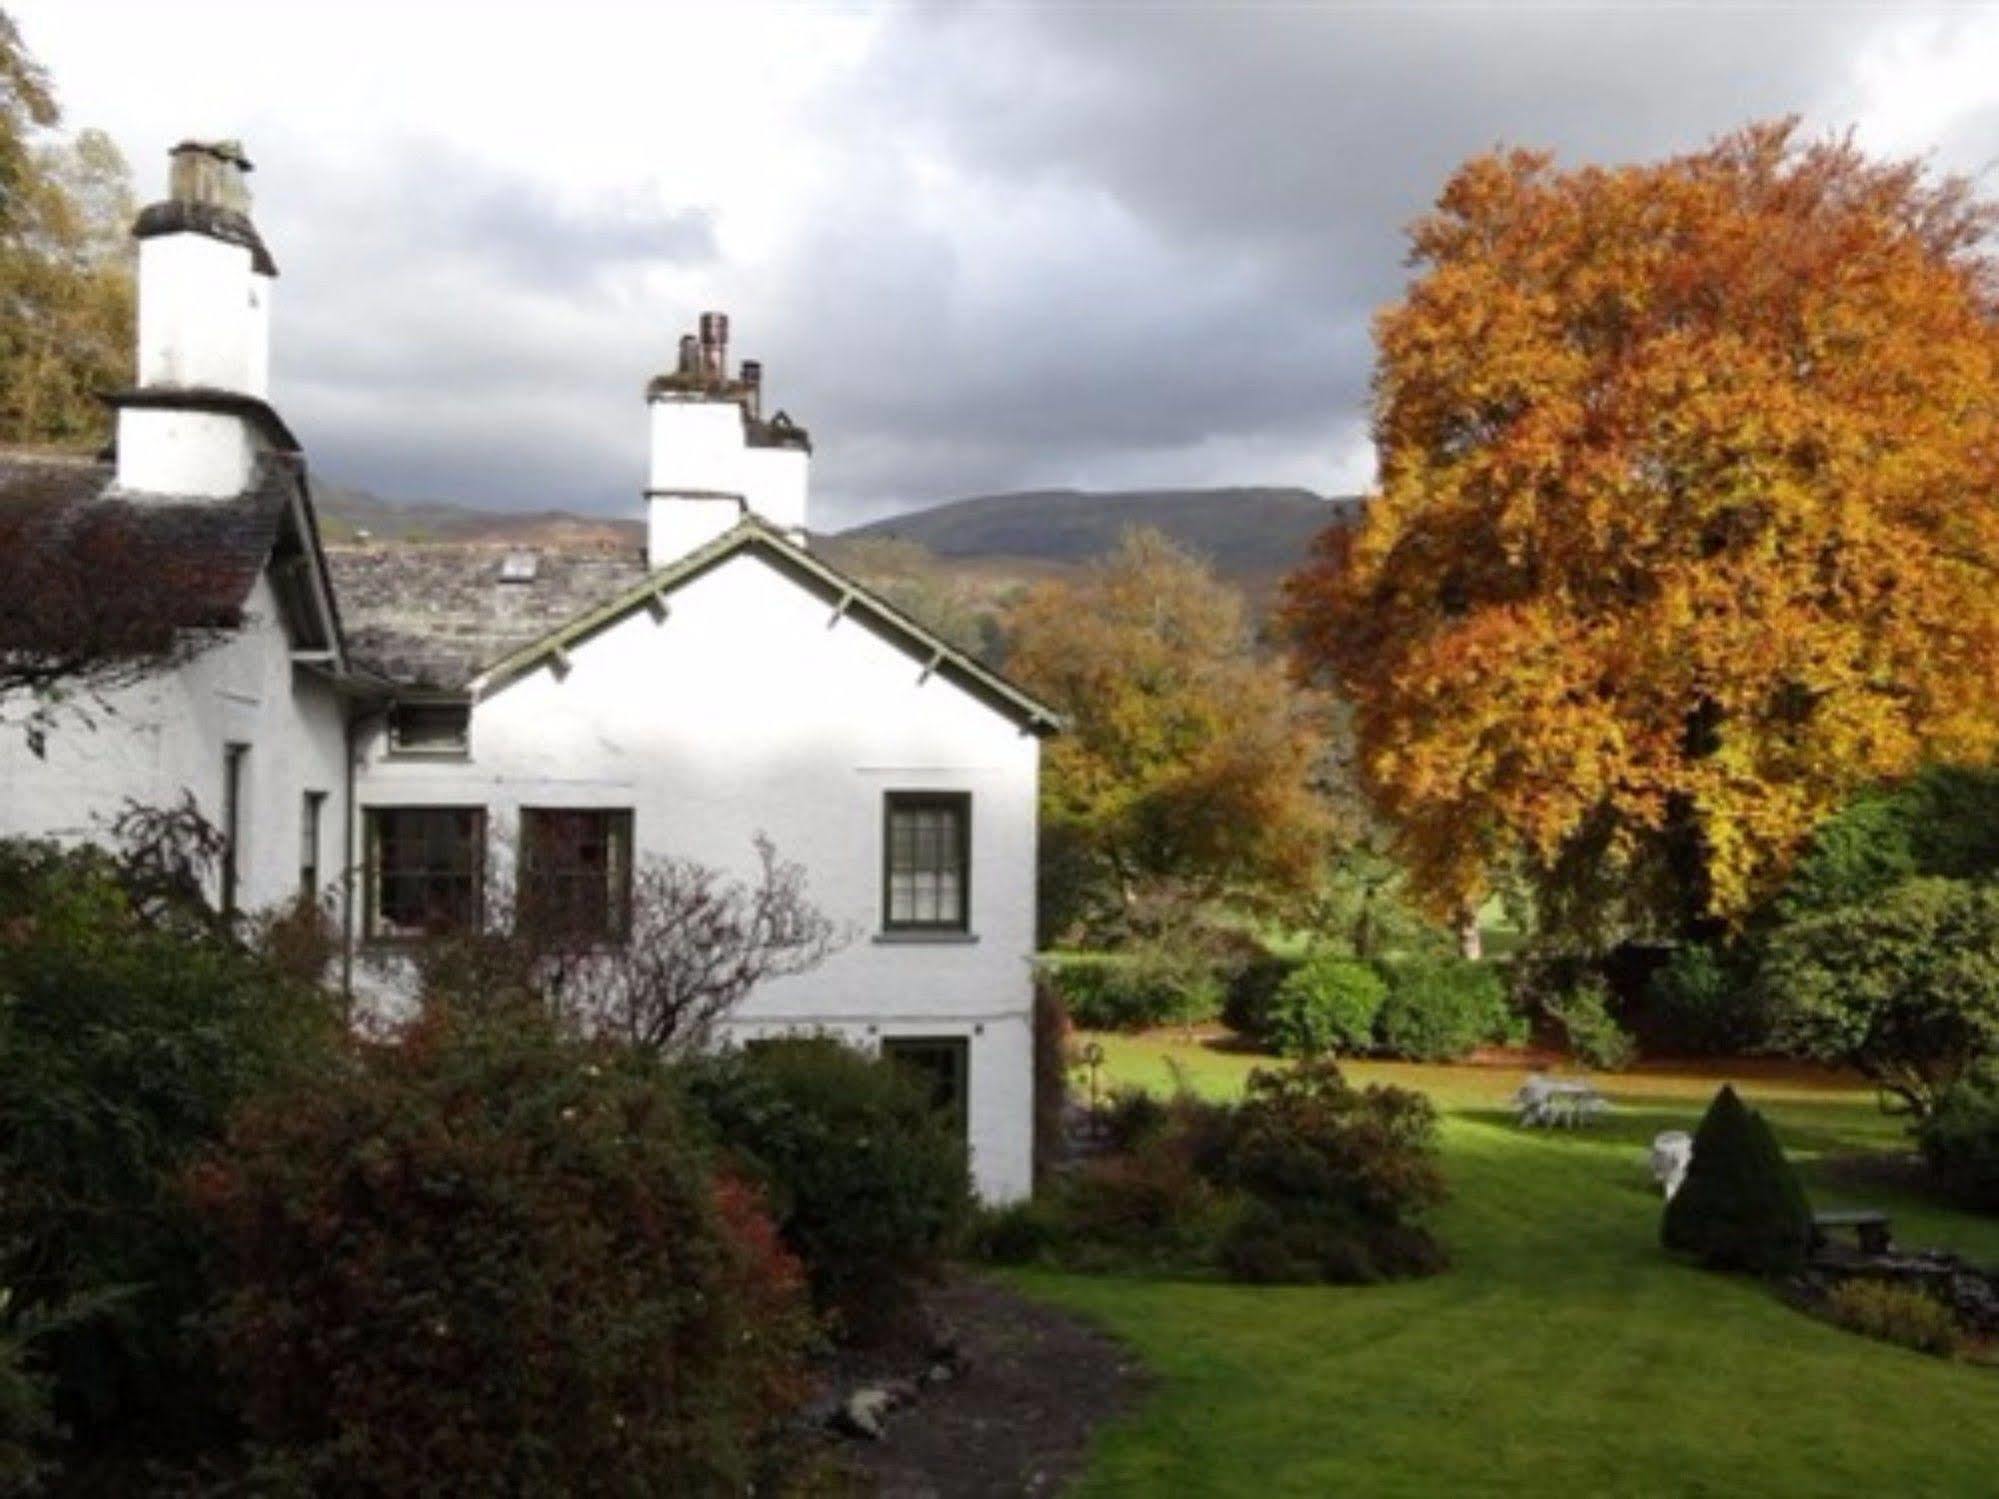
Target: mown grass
x=1565, y=1353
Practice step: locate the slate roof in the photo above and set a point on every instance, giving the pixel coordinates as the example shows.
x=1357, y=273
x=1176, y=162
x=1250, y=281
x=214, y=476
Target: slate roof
x=432, y=615
x=415, y=617
x=201, y=557
x=437, y=617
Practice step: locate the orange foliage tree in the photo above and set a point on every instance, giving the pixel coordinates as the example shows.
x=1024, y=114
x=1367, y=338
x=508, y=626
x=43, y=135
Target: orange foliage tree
x=1687, y=522
x=1187, y=764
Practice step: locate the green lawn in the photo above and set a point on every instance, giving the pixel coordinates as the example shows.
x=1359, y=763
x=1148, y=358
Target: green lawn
x=1564, y=1355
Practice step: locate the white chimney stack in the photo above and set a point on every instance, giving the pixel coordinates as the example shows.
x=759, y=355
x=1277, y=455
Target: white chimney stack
x=714, y=456
x=196, y=422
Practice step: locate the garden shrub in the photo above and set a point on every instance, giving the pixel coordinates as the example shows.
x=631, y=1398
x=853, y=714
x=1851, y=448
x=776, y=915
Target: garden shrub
x=1942, y=822
x=1150, y=1207
x=1020, y=1232
x=1704, y=1001
x=1303, y=1179
x=868, y=1181
x=1308, y=1142
x=1442, y=1009
x=1741, y=1206
x=1252, y=984
x=1152, y=985
x=1595, y=1038
x=1132, y=1117
x=1340, y=1176
x=1960, y=1139
x=1904, y=988
x=1895, y=1314
x=131, y=1026
x=1329, y=1004
x=26, y=1429
x=485, y=1249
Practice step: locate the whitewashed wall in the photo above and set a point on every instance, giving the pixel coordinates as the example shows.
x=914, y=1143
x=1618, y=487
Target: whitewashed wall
x=748, y=708
x=167, y=734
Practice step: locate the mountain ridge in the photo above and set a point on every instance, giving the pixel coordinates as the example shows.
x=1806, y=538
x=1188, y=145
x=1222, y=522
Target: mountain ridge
x=1252, y=535
x=1245, y=531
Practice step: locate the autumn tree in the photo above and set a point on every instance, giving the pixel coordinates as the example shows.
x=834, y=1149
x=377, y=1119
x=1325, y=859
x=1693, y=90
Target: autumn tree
x=67, y=302
x=1187, y=759
x=1686, y=525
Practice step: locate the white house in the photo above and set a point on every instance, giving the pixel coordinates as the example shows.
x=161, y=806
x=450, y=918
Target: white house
x=207, y=486
x=449, y=701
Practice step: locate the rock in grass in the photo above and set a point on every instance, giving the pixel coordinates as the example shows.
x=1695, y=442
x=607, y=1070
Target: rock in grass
x=862, y=1414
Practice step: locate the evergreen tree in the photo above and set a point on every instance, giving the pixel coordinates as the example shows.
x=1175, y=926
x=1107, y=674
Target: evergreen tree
x=1742, y=1206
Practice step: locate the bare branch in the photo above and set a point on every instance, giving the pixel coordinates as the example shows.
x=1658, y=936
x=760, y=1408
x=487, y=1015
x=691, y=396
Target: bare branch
x=694, y=945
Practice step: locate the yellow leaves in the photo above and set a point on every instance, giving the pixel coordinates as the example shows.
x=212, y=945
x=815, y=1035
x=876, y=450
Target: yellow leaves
x=1688, y=520
x=1187, y=755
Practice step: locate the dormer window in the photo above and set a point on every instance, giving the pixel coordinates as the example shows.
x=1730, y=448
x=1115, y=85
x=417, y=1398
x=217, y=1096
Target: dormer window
x=430, y=728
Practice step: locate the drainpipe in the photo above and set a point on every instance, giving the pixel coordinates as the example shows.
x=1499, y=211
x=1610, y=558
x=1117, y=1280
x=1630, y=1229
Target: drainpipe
x=354, y=722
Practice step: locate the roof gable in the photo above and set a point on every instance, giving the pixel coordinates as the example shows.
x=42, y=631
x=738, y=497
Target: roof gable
x=845, y=596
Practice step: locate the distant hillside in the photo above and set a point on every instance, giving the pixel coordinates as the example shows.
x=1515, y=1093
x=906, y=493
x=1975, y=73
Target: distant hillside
x=346, y=512
x=1251, y=535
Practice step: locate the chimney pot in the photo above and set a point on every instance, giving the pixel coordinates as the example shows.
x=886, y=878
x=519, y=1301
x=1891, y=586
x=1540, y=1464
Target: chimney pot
x=715, y=345
x=753, y=387
x=210, y=173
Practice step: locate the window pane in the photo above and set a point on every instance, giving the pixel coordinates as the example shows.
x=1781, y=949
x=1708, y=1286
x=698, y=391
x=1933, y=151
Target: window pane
x=428, y=863
x=924, y=882
x=435, y=727
x=944, y=1065
x=576, y=879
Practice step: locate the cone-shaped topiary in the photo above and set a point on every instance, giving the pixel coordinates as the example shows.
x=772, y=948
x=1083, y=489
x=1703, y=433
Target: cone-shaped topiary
x=1742, y=1207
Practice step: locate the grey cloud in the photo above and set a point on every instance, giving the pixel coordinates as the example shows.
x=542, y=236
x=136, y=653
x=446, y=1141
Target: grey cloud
x=1157, y=234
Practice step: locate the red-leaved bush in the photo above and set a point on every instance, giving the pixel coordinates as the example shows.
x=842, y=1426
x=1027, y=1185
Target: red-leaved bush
x=486, y=1249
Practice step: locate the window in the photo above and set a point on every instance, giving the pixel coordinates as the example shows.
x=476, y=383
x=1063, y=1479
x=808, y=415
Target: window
x=233, y=758
x=426, y=868
x=430, y=728
x=944, y=1064
x=308, y=844
x=576, y=871
x=927, y=873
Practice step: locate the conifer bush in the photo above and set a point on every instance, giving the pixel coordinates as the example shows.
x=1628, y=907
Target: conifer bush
x=1742, y=1206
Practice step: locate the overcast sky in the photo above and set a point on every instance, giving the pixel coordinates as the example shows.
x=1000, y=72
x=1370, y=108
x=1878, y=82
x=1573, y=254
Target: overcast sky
x=977, y=247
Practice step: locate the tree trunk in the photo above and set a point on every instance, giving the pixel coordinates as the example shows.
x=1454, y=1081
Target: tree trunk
x=1471, y=941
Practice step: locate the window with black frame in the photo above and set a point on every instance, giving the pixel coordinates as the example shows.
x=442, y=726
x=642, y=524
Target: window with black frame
x=927, y=862
x=426, y=870
x=576, y=872
x=943, y=1064
x=311, y=805
x=234, y=756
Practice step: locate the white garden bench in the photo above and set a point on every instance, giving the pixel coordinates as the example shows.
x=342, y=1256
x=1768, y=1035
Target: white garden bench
x=1558, y=1103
